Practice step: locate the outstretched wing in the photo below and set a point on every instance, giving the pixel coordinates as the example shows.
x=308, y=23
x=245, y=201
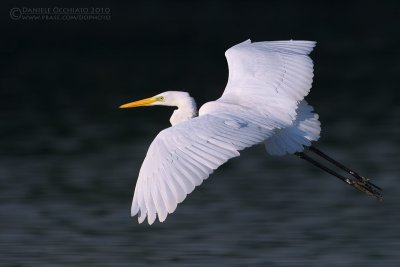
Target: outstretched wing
x=182, y=156
x=271, y=77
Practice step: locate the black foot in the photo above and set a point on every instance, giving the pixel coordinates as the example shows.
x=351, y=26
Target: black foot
x=359, y=182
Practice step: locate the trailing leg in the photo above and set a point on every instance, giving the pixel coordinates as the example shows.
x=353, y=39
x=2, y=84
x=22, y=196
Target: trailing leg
x=360, y=183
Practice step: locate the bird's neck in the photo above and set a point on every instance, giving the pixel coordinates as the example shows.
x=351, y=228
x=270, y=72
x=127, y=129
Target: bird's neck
x=186, y=110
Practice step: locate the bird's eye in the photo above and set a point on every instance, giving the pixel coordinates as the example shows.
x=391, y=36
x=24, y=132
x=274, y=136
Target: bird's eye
x=161, y=98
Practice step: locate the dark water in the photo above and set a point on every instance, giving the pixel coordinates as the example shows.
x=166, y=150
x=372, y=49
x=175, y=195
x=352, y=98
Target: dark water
x=72, y=209
x=69, y=158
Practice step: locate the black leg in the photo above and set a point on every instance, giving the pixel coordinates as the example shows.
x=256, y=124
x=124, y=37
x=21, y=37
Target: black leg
x=361, y=185
x=323, y=167
x=338, y=164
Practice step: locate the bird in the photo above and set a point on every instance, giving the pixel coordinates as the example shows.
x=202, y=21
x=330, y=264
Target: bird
x=263, y=103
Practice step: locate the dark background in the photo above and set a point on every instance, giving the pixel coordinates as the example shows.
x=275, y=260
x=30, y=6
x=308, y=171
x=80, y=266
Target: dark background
x=69, y=157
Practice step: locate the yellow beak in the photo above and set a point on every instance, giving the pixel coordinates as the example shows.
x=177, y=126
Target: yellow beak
x=139, y=103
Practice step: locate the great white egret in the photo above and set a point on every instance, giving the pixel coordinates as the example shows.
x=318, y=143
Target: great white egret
x=263, y=102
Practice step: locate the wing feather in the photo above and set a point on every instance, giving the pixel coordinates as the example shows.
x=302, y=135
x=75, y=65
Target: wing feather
x=167, y=196
x=173, y=183
x=306, y=128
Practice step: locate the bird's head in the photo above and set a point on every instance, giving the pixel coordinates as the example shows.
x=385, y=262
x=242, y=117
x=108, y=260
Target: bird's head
x=169, y=98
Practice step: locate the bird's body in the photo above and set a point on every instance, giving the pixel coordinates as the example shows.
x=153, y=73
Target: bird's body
x=263, y=102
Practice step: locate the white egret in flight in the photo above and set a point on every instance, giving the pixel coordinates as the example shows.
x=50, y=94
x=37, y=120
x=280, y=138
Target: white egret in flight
x=263, y=102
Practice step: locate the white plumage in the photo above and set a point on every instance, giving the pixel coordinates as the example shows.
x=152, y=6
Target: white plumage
x=262, y=102
x=294, y=138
